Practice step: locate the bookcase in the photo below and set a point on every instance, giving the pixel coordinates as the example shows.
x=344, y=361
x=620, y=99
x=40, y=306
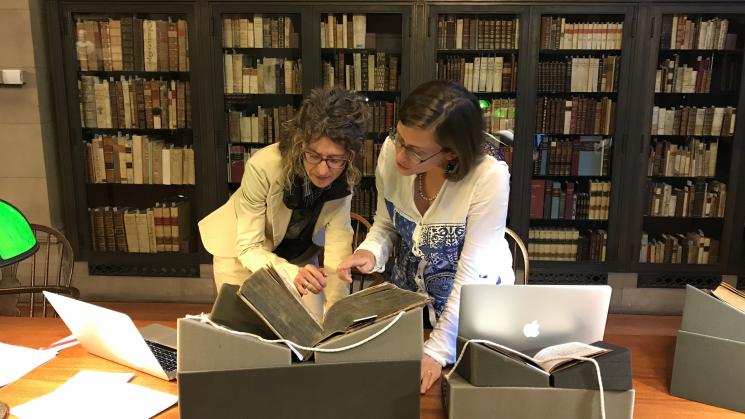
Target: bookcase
x=363, y=49
x=581, y=67
x=485, y=49
x=480, y=51
x=595, y=93
x=690, y=145
x=130, y=149
x=260, y=53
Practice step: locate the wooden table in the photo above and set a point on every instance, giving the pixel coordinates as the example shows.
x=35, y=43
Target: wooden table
x=650, y=338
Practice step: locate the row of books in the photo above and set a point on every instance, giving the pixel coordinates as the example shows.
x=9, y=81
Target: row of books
x=691, y=248
x=133, y=102
x=580, y=75
x=251, y=75
x=138, y=160
x=477, y=32
x=383, y=115
x=262, y=126
x=586, y=200
x=166, y=227
x=557, y=33
x=345, y=31
x=132, y=44
x=682, y=32
x=693, y=199
x=567, y=244
x=257, y=31
x=583, y=156
x=480, y=74
x=367, y=71
x=364, y=201
x=578, y=115
x=238, y=155
x=369, y=158
x=672, y=77
x=696, y=158
x=499, y=115
x=692, y=120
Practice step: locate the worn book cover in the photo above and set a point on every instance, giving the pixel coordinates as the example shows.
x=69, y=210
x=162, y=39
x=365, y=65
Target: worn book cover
x=279, y=306
x=730, y=295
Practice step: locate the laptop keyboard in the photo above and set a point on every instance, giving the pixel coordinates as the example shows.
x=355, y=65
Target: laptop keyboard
x=166, y=356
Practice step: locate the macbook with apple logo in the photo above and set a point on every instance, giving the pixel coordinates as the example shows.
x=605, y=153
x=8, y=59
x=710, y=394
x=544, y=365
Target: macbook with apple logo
x=528, y=318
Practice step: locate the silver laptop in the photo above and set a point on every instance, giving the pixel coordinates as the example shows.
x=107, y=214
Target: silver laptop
x=112, y=335
x=529, y=318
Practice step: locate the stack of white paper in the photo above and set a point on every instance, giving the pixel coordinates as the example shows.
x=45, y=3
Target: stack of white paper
x=91, y=394
x=17, y=361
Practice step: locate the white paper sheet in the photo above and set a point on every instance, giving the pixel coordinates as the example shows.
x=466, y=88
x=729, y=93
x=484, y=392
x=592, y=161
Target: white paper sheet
x=17, y=361
x=91, y=394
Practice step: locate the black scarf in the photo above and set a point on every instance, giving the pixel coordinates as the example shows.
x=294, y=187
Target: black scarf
x=304, y=194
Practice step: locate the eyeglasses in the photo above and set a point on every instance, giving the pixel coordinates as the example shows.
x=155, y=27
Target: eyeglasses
x=332, y=162
x=408, y=152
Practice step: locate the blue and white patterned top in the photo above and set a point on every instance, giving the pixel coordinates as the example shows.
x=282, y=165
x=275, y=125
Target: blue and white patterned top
x=459, y=239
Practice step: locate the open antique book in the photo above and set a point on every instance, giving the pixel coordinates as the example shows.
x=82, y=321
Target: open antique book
x=271, y=298
x=546, y=358
x=730, y=295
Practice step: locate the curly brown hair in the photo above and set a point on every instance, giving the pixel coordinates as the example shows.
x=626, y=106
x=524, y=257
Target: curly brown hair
x=330, y=112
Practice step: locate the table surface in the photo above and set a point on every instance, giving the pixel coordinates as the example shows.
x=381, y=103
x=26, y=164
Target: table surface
x=650, y=338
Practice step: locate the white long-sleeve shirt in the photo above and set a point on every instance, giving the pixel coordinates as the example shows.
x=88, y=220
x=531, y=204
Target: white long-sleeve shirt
x=458, y=240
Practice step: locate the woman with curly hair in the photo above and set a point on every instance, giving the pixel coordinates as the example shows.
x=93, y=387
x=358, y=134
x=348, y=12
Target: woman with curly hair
x=294, y=197
x=444, y=200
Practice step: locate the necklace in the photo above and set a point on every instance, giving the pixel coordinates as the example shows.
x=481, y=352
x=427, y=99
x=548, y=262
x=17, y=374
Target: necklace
x=420, y=183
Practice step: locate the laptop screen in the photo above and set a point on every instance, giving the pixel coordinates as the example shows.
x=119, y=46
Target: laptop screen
x=530, y=318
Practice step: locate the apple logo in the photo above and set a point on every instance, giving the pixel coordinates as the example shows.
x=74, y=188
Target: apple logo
x=530, y=330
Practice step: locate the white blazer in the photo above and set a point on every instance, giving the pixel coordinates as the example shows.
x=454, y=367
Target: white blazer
x=243, y=233
x=458, y=240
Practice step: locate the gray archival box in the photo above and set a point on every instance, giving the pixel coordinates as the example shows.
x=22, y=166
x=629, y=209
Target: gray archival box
x=225, y=375
x=709, y=364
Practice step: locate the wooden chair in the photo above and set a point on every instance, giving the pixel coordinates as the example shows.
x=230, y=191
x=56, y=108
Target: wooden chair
x=49, y=269
x=361, y=281
x=516, y=243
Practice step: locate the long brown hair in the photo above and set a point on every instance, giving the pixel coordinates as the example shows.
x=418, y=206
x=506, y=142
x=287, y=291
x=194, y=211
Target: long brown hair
x=330, y=112
x=456, y=117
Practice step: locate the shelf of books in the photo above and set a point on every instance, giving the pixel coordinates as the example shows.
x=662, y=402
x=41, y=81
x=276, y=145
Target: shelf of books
x=578, y=75
x=691, y=142
x=135, y=127
x=364, y=52
x=262, y=82
x=480, y=51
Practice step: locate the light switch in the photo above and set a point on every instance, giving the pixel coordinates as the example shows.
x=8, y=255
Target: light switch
x=15, y=77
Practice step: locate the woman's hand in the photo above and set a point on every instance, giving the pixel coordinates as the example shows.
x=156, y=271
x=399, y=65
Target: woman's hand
x=362, y=259
x=310, y=278
x=430, y=372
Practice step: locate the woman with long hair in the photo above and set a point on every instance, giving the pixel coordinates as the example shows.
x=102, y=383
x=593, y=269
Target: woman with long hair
x=444, y=201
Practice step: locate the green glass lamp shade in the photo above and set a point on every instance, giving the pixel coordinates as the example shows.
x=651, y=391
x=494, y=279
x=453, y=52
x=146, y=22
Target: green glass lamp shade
x=17, y=239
